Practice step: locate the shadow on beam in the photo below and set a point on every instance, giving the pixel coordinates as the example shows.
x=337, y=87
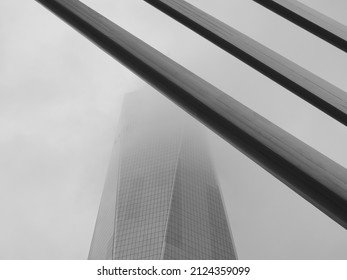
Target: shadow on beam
x=316, y=91
x=315, y=177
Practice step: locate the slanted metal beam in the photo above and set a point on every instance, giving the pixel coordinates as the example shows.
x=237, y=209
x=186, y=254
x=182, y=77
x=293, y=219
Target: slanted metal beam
x=316, y=91
x=318, y=24
x=315, y=177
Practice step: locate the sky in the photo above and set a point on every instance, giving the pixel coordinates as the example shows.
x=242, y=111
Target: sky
x=60, y=99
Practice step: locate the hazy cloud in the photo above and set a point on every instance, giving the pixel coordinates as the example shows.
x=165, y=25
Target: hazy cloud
x=60, y=98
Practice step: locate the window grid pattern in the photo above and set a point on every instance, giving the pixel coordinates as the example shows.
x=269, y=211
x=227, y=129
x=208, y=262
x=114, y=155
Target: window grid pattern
x=145, y=186
x=197, y=227
x=161, y=200
x=102, y=243
x=148, y=162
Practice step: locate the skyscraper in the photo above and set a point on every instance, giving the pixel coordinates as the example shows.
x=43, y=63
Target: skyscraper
x=161, y=199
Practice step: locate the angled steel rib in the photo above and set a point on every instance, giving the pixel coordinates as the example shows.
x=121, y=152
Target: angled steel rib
x=318, y=24
x=316, y=91
x=312, y=175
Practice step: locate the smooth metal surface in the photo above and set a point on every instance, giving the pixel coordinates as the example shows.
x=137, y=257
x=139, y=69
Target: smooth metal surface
x=316, y=91
x=322, y=26
x=315, y=177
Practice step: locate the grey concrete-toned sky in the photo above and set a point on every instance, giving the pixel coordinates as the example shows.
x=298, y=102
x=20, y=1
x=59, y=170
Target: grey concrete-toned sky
x=60, y=98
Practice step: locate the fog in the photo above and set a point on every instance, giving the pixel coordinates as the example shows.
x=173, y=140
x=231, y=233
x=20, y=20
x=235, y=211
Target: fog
x=60, y=101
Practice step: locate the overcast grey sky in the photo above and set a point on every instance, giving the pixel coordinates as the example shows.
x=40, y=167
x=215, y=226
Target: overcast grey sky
x=60, y=98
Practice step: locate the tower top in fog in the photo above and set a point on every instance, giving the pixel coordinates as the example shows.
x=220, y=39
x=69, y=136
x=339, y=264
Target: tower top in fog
x=161, y=199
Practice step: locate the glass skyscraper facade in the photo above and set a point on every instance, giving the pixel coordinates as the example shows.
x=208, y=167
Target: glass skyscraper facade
x=161, y=199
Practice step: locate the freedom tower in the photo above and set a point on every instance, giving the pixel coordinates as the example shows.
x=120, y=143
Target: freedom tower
x=161, y=199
